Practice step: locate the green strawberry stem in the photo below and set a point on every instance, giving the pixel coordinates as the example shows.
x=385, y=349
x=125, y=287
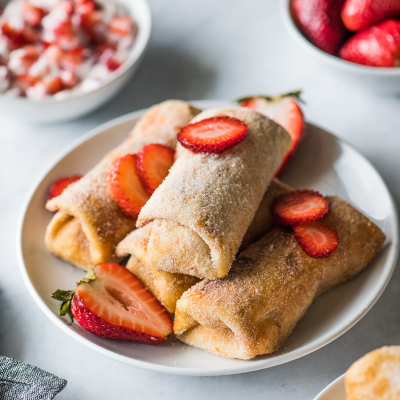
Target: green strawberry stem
x=66, y=296
x=296, y=94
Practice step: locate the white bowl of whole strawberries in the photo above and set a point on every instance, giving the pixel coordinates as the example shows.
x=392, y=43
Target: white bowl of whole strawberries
x=358, y=39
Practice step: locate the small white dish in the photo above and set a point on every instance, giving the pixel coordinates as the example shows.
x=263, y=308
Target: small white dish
x=335, y=391
x=322, y=162
x=51, y=110
x=380, y=80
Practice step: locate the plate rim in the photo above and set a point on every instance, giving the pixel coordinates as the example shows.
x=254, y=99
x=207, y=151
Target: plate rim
x=254, y=366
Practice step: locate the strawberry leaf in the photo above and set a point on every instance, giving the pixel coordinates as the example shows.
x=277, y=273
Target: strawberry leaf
x=90, y=276
x=63, y=295
x=296, y=94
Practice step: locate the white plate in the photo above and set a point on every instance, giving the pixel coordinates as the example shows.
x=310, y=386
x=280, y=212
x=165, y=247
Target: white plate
x=323, y=162
x=335, y=391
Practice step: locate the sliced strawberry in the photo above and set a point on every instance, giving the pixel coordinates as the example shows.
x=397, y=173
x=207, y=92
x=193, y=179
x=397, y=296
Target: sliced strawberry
x=125, y=185
x=299, y=206
x=71, y=59
x=58, y=187
x=16, y=37
x=113, y=64
x=213, y=135
x=152, y=164
x=316, y=239
x=25, y=81
x=52, y=84
x=31, y=14
x=111, y=302
x=68, y=79
x=284, y=110
x=121, y=25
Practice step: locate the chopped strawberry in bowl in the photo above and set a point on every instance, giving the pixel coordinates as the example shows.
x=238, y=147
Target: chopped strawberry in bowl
x=358, y=40
x=62, y=59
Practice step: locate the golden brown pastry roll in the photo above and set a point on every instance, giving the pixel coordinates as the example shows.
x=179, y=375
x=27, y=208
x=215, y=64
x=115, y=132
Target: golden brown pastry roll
x=207, y=202
x=165, y=286
x=376, y=376
x=168, y=287
x=255, y=308
x=90, y=224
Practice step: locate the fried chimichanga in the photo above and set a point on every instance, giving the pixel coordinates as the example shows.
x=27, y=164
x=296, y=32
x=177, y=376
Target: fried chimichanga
x=205, y=205
x=271, y=285
x=89, y=224
x=168, y=287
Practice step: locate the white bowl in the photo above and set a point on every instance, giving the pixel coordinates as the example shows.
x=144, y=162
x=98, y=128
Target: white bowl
x=376, y=79
x=76, y=105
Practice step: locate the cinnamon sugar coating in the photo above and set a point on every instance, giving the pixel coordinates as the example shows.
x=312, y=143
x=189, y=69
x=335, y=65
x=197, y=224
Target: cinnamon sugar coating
x=101, y=222
x=255, y=308
x=168, y=287
x=376, y=376
x=207, y=202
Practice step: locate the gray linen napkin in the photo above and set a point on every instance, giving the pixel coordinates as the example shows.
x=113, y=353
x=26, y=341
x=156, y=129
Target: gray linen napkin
x=20, y=381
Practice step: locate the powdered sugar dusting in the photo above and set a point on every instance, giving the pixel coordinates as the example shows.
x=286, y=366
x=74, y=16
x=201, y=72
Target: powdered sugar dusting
x=218, y=195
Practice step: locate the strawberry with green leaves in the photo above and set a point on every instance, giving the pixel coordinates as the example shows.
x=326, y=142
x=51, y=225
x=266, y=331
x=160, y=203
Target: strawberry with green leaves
x=111, y=302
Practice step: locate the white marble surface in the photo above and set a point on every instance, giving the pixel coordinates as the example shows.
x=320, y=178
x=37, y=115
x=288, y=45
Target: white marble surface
x=200, y=49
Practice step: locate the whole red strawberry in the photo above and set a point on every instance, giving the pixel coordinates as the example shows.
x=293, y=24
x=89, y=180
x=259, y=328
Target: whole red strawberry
x=321, y=23
x=378, y=46
x=111, y=302
x=361, y=14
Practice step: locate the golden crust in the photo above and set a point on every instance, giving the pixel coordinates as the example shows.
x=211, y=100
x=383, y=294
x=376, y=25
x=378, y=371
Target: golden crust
x=207, y=201
x=103, y=225
x=255, y=308
x=171, y=286
x=60, y=230
x=376, y=376
x=165, y=286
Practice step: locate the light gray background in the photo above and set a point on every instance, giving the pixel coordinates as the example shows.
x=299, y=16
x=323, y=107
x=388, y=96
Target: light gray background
x=199, y=49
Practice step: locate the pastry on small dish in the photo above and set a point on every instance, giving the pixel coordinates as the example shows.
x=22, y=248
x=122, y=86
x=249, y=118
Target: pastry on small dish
x=376, y=376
